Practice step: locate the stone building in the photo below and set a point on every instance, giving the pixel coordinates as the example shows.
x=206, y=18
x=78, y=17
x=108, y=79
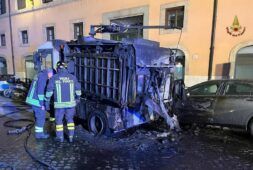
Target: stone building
x=216, y=29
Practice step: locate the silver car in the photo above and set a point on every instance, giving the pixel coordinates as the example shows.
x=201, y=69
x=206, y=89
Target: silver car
x=226, y=103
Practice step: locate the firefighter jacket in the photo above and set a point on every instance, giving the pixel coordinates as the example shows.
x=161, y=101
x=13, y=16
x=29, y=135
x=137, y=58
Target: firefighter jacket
x=66, y=89
x=37, y=90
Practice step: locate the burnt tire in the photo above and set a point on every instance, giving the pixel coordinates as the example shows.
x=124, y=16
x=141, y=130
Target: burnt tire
x=98, y=124
x=251, y=128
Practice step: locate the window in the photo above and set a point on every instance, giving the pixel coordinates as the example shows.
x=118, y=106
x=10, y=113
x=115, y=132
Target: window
x=174, y=17
x=78, y=29
x=129, y=33
x=2, y=40
x=21, y=4
x=47, y=1
x=180, y=64
x=46, y=58
x=24, y=36
x=2, y=7
x=205, y=89
x=239, y=89
x=50, y=33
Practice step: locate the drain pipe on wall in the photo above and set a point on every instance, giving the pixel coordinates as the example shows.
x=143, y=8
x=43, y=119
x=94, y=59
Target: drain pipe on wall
x=210, y=66
x=11, y=38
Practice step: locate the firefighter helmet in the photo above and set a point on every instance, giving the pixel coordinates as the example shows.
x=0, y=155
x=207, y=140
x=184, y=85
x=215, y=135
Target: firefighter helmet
x=61, y=65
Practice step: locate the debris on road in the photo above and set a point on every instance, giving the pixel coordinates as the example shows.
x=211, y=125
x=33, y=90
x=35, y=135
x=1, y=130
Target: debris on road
x=150, y=146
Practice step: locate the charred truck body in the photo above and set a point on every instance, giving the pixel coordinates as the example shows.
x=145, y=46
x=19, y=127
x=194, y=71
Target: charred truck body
x=124, y=83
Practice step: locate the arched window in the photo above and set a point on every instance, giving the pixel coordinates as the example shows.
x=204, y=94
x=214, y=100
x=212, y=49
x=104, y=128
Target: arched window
x=244, y=63
x=3, y=66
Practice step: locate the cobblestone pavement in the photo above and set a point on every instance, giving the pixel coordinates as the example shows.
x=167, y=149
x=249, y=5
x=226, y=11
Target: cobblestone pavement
x=146, y=147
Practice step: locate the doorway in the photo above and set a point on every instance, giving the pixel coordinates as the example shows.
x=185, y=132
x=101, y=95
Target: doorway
x=244, y=63
x=29, y=67
x=3, y=66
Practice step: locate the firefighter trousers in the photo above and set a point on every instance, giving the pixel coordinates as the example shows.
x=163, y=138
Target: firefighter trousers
x=51, y=113
x=40, y=117
x=59, y=115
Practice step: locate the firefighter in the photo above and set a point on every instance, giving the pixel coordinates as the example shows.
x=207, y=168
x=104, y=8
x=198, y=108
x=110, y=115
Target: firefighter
x=66, y=90
x=35, y=98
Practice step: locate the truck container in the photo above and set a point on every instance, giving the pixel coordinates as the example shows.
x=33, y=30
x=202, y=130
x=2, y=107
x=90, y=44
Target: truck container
x=124, y=83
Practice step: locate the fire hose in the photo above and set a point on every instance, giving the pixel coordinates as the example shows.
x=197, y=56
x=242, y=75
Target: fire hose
x=20, y=130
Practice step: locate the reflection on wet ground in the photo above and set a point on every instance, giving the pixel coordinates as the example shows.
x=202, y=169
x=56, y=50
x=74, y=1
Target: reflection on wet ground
x=147, y=147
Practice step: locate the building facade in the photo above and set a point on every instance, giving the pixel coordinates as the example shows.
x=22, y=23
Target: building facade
x=31, y=23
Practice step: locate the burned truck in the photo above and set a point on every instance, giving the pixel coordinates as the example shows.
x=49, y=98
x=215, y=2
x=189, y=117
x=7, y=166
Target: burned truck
x=124, y=83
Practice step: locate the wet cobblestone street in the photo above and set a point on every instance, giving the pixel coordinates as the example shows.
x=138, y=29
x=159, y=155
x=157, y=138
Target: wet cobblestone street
x=140, y=148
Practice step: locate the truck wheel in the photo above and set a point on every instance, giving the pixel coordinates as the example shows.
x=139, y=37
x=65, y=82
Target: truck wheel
x=251, y=128
x=98, y=124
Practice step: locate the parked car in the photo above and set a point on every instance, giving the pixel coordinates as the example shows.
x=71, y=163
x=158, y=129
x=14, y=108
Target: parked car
x=226, y=103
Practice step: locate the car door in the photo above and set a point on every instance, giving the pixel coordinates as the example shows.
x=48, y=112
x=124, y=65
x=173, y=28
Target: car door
x=235, y=106
x=200, y=102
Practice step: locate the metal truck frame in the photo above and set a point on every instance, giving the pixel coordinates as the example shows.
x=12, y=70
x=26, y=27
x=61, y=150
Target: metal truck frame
x=124, y=84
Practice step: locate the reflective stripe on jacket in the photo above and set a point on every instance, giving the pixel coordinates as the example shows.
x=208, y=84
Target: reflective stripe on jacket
x=65, y=88
x=36, y=92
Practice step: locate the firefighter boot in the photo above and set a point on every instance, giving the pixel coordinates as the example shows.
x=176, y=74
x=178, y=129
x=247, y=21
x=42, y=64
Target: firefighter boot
x=51, y=119
x=70, y=139
x=41, y=135
x=59, y=139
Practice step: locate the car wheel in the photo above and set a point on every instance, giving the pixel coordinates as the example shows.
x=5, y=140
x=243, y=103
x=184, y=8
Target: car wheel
x=98, y=124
